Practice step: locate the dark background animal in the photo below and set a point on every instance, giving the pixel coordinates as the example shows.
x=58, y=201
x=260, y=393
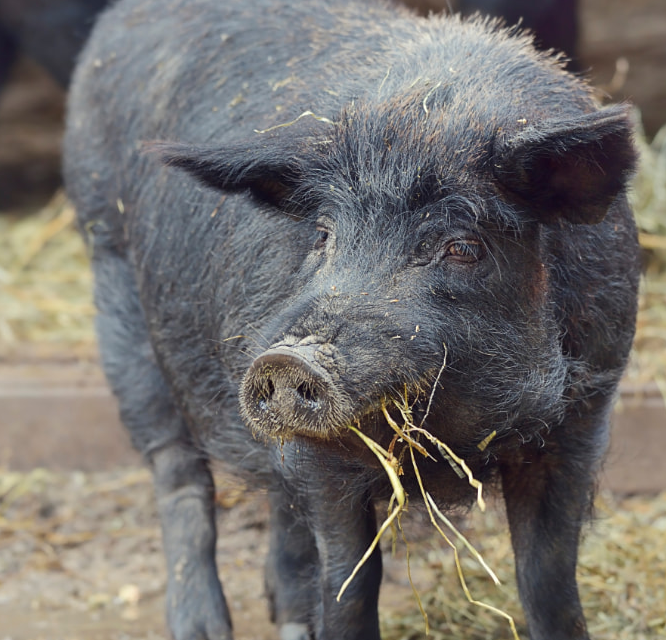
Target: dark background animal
x=49, y=35
x=51, y=32
x=361, y=207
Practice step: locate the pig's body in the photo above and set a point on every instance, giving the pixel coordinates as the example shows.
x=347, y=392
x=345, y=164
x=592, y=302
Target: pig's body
x=337, y=264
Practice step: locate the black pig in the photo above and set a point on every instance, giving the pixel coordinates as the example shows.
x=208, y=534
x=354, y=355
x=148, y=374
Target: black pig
x=359, y=206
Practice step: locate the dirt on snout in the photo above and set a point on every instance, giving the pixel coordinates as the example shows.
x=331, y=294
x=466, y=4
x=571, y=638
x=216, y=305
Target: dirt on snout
x=81, y=559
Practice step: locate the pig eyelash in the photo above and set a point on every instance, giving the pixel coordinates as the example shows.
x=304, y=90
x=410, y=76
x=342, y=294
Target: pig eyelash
x=464, y=251
x=457, y=250
x=321, y=240
x=322, y=236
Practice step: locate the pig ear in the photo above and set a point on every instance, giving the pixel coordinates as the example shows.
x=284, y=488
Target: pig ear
x=572, y=169
x=270, y=178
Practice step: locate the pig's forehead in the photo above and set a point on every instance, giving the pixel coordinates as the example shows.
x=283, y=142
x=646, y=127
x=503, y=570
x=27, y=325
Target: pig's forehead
x=406, y=155
x=411, y=194
x=413, y=136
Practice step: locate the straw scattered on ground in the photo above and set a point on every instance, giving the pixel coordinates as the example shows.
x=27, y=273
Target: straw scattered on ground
x=622, y=579
x=45, y=279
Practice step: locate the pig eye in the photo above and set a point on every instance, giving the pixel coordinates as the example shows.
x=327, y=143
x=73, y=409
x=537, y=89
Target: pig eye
x=322, y=237
x=465, y=251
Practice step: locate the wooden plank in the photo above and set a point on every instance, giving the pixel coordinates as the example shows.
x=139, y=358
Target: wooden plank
x=61, y=415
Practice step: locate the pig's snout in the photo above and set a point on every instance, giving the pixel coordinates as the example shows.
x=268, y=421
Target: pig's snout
x=286, y=392
x=288, y=384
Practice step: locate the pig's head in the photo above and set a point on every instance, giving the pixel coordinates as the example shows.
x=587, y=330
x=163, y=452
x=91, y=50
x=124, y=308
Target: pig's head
x=427, y=281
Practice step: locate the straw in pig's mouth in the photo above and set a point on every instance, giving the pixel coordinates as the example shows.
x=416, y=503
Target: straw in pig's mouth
x=410, y=436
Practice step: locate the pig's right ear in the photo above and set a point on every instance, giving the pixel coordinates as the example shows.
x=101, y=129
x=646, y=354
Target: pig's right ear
x=270, y=177
x=572, y=169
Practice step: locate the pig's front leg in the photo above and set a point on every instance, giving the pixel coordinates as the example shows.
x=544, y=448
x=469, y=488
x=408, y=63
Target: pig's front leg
x=343, y=532
x=196, y=607
x=548, y=496
x=341, y=517
x=291, y=568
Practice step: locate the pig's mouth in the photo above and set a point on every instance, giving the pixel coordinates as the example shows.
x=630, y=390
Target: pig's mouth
x=289, y=391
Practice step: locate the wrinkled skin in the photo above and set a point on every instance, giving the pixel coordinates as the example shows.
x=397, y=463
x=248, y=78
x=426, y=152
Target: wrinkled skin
x=448, y=227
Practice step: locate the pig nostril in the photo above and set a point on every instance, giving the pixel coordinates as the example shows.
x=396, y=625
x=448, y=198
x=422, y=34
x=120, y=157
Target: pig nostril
x=265, y=394
x=287, y=392
x=308, y=394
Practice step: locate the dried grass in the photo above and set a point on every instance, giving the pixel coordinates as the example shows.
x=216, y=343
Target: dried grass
x=411, y=437
x=621, y=576
x=45, y=280
x=648, y=198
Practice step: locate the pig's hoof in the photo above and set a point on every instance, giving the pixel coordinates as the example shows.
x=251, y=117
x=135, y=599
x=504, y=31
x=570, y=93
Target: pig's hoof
x=198, y=611
x=187, y=628
x=294, y=631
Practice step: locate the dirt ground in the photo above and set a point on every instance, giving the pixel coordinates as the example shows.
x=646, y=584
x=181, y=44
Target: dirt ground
x=80, y=559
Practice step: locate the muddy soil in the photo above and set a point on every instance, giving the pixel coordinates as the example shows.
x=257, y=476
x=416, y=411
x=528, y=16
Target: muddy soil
x=80, y=558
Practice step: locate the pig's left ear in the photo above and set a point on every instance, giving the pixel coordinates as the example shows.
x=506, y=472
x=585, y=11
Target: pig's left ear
x=572, y=169
x=269, y=176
